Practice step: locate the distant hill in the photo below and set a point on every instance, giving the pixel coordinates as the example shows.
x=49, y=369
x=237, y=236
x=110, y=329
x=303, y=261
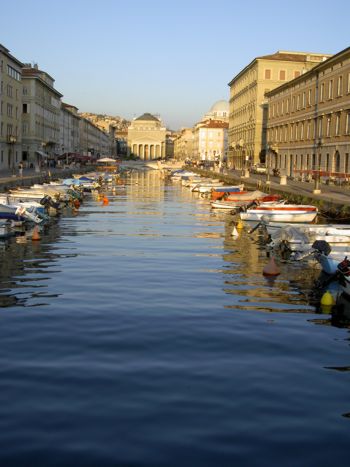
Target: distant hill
x=104, y=121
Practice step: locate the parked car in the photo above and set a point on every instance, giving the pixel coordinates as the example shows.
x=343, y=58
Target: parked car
x=259, y=169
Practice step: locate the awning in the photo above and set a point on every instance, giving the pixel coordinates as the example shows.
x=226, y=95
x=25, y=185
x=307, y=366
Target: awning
x=42, y=154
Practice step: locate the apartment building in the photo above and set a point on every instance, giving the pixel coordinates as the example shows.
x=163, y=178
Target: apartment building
x=69, y=129
x=93, y=141
x=147, y=137
x=248, y=108
x=309, y=121
x=210, y=140
x=40, y=116
x=10, y=110
x=183, y=144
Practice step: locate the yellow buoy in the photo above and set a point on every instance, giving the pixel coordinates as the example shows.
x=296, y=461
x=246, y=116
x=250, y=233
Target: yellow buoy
x=327, y=299
x=239, y=224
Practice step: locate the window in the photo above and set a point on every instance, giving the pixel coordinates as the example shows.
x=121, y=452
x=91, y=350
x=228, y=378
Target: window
x=282, y=75
x=9, y=110
x=322, y=92
x=13, y=73
x=308, y=128
x=337, y=125
x=330, y=89
x=9, y=90
x=328, y=129
x=267, y=74
x=348, y=84
x=296, y=74
x=302, y=130
x=25, y=108
x=298, y=101
x=309, y=97
x=347, y=124
x=340, y=86
x=293, y=104
x=320, y=127
x=287, y=105
x=304, y=100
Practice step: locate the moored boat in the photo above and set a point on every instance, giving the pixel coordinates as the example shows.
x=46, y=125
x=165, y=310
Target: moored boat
x=279, y=212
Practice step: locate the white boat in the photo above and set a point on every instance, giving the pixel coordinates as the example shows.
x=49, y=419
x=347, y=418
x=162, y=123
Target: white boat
x=279, y=212
x=318, y=229
x=301, y=237
x=206, y=187
x=244, y=201
x=328, y=257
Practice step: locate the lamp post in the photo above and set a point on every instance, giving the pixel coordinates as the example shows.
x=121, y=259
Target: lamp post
x=319, y=145
x=271, y=149
x=268, y=151
x=233, y=146
x=241, y=147
x=12, y=140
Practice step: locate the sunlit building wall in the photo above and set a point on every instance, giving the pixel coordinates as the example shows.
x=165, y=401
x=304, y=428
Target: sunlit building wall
x=309, y=120
x=40, y=116
x=248, y=110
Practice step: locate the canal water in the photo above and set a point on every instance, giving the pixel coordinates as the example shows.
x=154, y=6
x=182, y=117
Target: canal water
x=143, y=334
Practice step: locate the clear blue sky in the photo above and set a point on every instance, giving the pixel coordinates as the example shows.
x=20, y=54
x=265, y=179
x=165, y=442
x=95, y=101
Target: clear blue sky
x=172, y=58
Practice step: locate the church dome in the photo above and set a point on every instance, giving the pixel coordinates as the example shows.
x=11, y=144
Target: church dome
x=220, y=107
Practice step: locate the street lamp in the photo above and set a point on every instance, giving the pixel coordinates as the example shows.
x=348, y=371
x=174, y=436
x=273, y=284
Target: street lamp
x=241, y=146
x=319, y=145
x=271, y=149
x=233, y=146
x=12, y=140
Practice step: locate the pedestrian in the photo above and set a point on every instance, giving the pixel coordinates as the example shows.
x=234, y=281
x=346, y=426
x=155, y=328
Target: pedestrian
x=20, y=169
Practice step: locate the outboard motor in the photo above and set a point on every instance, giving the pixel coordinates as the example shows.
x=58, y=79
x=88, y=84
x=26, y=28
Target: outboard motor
x=322, y=246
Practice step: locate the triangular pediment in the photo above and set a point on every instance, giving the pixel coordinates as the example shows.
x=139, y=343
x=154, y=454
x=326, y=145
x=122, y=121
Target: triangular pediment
x=146, y=140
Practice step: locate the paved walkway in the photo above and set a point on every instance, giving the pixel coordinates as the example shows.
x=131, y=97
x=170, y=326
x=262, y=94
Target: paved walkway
x=334, y=194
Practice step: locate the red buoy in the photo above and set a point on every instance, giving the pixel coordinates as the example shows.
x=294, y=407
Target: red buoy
x=271, y=268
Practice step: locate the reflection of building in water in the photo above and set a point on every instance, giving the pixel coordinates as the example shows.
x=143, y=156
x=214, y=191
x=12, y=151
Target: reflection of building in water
x=146, y=184
x=27, y=266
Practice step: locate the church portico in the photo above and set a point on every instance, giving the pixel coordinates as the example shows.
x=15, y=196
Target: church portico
x=146, y=138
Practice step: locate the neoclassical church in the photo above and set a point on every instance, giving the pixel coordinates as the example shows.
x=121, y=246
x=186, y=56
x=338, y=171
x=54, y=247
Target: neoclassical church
x=146, y=137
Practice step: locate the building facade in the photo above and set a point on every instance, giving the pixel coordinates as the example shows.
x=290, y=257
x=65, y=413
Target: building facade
x=248, y=109
x=40, y=116
x=10, y=110
x=210, y=140
x=183, y=145
x=309, y=121
x=147, y=137
x=93, y=141
x=69, y=129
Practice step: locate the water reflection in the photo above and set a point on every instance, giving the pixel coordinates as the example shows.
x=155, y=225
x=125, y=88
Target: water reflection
x=151, y=218
x=27, y=267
